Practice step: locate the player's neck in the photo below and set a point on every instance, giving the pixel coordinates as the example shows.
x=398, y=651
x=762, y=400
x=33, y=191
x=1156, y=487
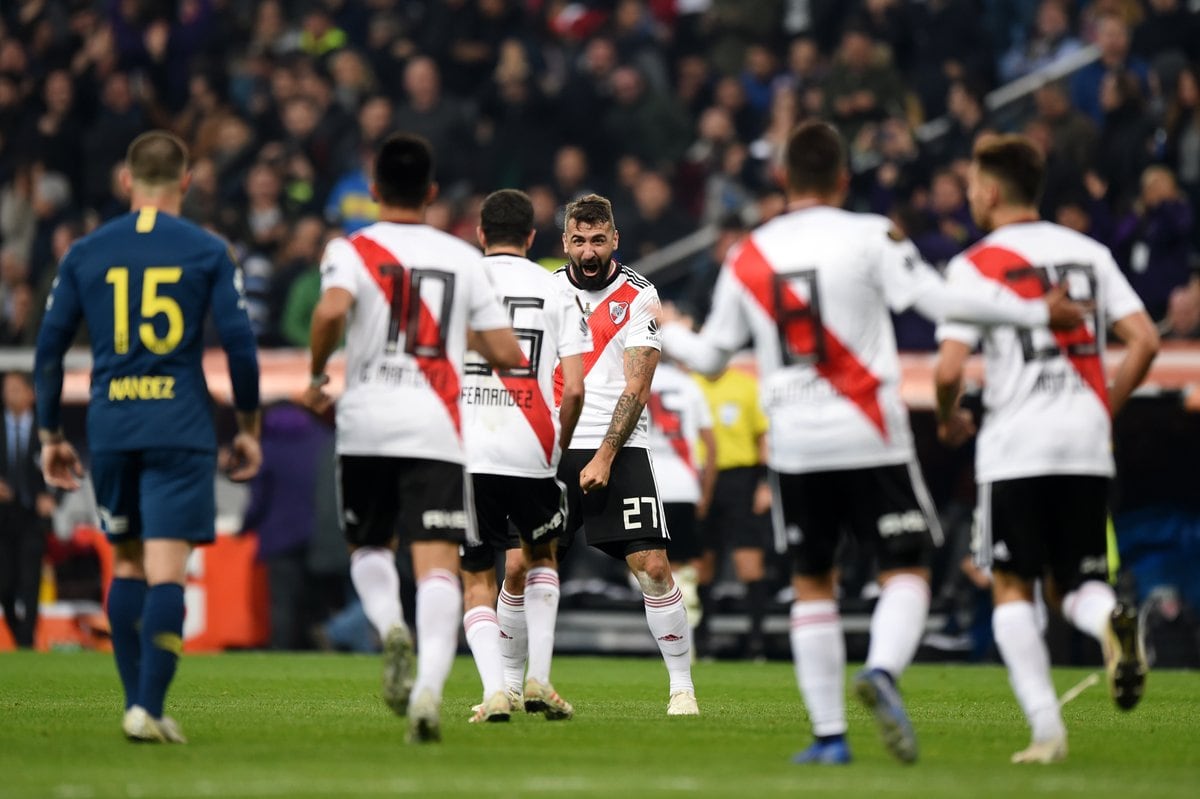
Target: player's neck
x=1014, y=215
x=799, y=202
x=402, y=216
x=166, y=202
x=502, y=250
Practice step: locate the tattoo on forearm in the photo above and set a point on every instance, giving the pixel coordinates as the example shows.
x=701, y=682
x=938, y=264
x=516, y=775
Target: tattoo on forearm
x=624, y=419
x=640, y=363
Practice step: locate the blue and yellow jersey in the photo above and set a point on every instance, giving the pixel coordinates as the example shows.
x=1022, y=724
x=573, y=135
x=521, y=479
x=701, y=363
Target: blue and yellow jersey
x=144, y=282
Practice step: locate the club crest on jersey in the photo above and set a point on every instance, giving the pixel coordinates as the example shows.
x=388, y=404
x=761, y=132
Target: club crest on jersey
x=617, y=311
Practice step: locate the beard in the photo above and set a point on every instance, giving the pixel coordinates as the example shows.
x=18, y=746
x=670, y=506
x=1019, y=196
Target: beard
x=591, y=274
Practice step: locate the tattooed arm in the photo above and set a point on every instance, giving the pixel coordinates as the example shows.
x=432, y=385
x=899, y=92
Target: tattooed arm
x=640, y=363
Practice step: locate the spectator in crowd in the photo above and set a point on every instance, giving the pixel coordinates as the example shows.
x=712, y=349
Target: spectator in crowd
x=644, y=122
x=1169, y=29
x=1152, y=243
x=438, y=118
x=1073, y=132
x=657, y=221
x=1125, y=139
x=862, y=87
x=1051, y=40
x=25, y=510
x=1182, y=128
x=1112, y=38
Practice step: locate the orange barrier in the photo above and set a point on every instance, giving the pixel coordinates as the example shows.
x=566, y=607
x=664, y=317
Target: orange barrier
x=226, y=598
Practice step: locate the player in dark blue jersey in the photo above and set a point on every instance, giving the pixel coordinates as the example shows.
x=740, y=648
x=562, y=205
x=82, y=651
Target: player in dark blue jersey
x=145, y=283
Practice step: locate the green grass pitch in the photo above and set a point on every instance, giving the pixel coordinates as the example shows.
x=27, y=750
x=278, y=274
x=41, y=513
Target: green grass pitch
x=266, y=725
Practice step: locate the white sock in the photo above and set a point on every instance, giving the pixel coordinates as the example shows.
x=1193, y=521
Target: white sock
x=541, y=614
x=819, y=655
x=514, y=638
x=898, y=624
x=373, y=572
x=1014, y=625
x=1089, y=607
x=483, y=636
x=669, y=626
x=439, y=608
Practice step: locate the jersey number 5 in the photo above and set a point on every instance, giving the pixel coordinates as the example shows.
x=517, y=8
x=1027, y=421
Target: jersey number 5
x=530, y=337
x=153, y=304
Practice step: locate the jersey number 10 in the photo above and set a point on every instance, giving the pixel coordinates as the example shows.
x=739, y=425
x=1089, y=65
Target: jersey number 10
x=424, y=333
x=153, y=304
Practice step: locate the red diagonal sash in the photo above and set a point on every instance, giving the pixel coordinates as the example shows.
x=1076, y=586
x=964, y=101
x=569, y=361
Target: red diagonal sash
x=840, y=367
x=995, y=263
x=603, y=328
x=538, y=413
x=670, y=423
x=438, y=371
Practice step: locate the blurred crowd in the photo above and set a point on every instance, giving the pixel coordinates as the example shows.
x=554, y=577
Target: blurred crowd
x=676, y=109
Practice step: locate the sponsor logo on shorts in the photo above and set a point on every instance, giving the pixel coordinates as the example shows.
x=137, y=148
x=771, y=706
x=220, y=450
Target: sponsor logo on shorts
x=1000, y=551
x=444, y=519
x=1094, y=565
x=893, y=524
x=555, y=523
x=670, y=637
x=113, y=525
x=350, y=516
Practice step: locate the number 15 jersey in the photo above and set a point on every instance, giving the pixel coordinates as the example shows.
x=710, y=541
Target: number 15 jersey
x=813, y=288
x=416, y=292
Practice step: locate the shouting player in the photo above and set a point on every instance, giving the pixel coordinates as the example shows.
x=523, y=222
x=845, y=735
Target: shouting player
x=514, y=443
x=813, y=289
x=1044, y=457
x=145, y=282
x=411, y=294
x=607, y=470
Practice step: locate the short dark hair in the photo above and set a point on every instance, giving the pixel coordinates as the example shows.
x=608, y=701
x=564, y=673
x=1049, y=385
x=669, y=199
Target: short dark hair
x=816, y=158
x=157, y=157
x=590, y=209
x=506, y=217
x=1015, y=162
x=404, y=170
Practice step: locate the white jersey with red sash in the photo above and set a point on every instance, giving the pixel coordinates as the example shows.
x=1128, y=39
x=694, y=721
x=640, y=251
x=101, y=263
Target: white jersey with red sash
x=1046, y=396
x=511, y=427
x=814, y=288
x=620, y=316
x=416, y=291
x=678, y=412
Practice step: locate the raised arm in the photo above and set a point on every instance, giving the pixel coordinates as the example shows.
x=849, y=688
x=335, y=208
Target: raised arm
x=640, y=363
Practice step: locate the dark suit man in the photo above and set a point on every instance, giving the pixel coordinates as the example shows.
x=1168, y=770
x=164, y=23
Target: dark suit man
x=25, y=508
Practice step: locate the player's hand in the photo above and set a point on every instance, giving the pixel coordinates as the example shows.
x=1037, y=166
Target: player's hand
x=6, y=494
x=762, y=498
x=60, y=465
x=595, y=474
x=316, y=400
x=1065, y=313
x=245, y=459
x=46, y=505
x=702, y=507
x=958, y=429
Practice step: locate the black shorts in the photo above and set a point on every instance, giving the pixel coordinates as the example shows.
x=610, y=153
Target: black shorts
x=685, y=542
x=1054, y=523
x=424, y=496
x=509, y=510
x=731, y=522
x=625, y=516
x=886, y=508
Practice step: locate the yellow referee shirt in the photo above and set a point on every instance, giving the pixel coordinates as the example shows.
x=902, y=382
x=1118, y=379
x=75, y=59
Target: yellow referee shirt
x=738, y=420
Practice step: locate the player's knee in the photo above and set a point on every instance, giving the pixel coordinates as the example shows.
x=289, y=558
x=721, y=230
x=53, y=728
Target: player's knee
x=653, y=572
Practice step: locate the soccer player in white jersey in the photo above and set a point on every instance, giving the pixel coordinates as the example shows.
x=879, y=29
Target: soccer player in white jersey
x=607, y=470
x=1044, y=459
x=679, y=420
x=514, y=443
x=813, y=289
x=406, y=296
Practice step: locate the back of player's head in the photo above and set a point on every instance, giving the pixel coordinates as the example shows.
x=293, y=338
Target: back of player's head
x=816, y=158
x=1015, y=163
x=506, y=217
x=157, y=158
x=590, y=209
x=404, y=170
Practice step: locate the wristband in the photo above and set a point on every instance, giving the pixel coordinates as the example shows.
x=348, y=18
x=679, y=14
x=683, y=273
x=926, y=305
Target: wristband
x=316, y=381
